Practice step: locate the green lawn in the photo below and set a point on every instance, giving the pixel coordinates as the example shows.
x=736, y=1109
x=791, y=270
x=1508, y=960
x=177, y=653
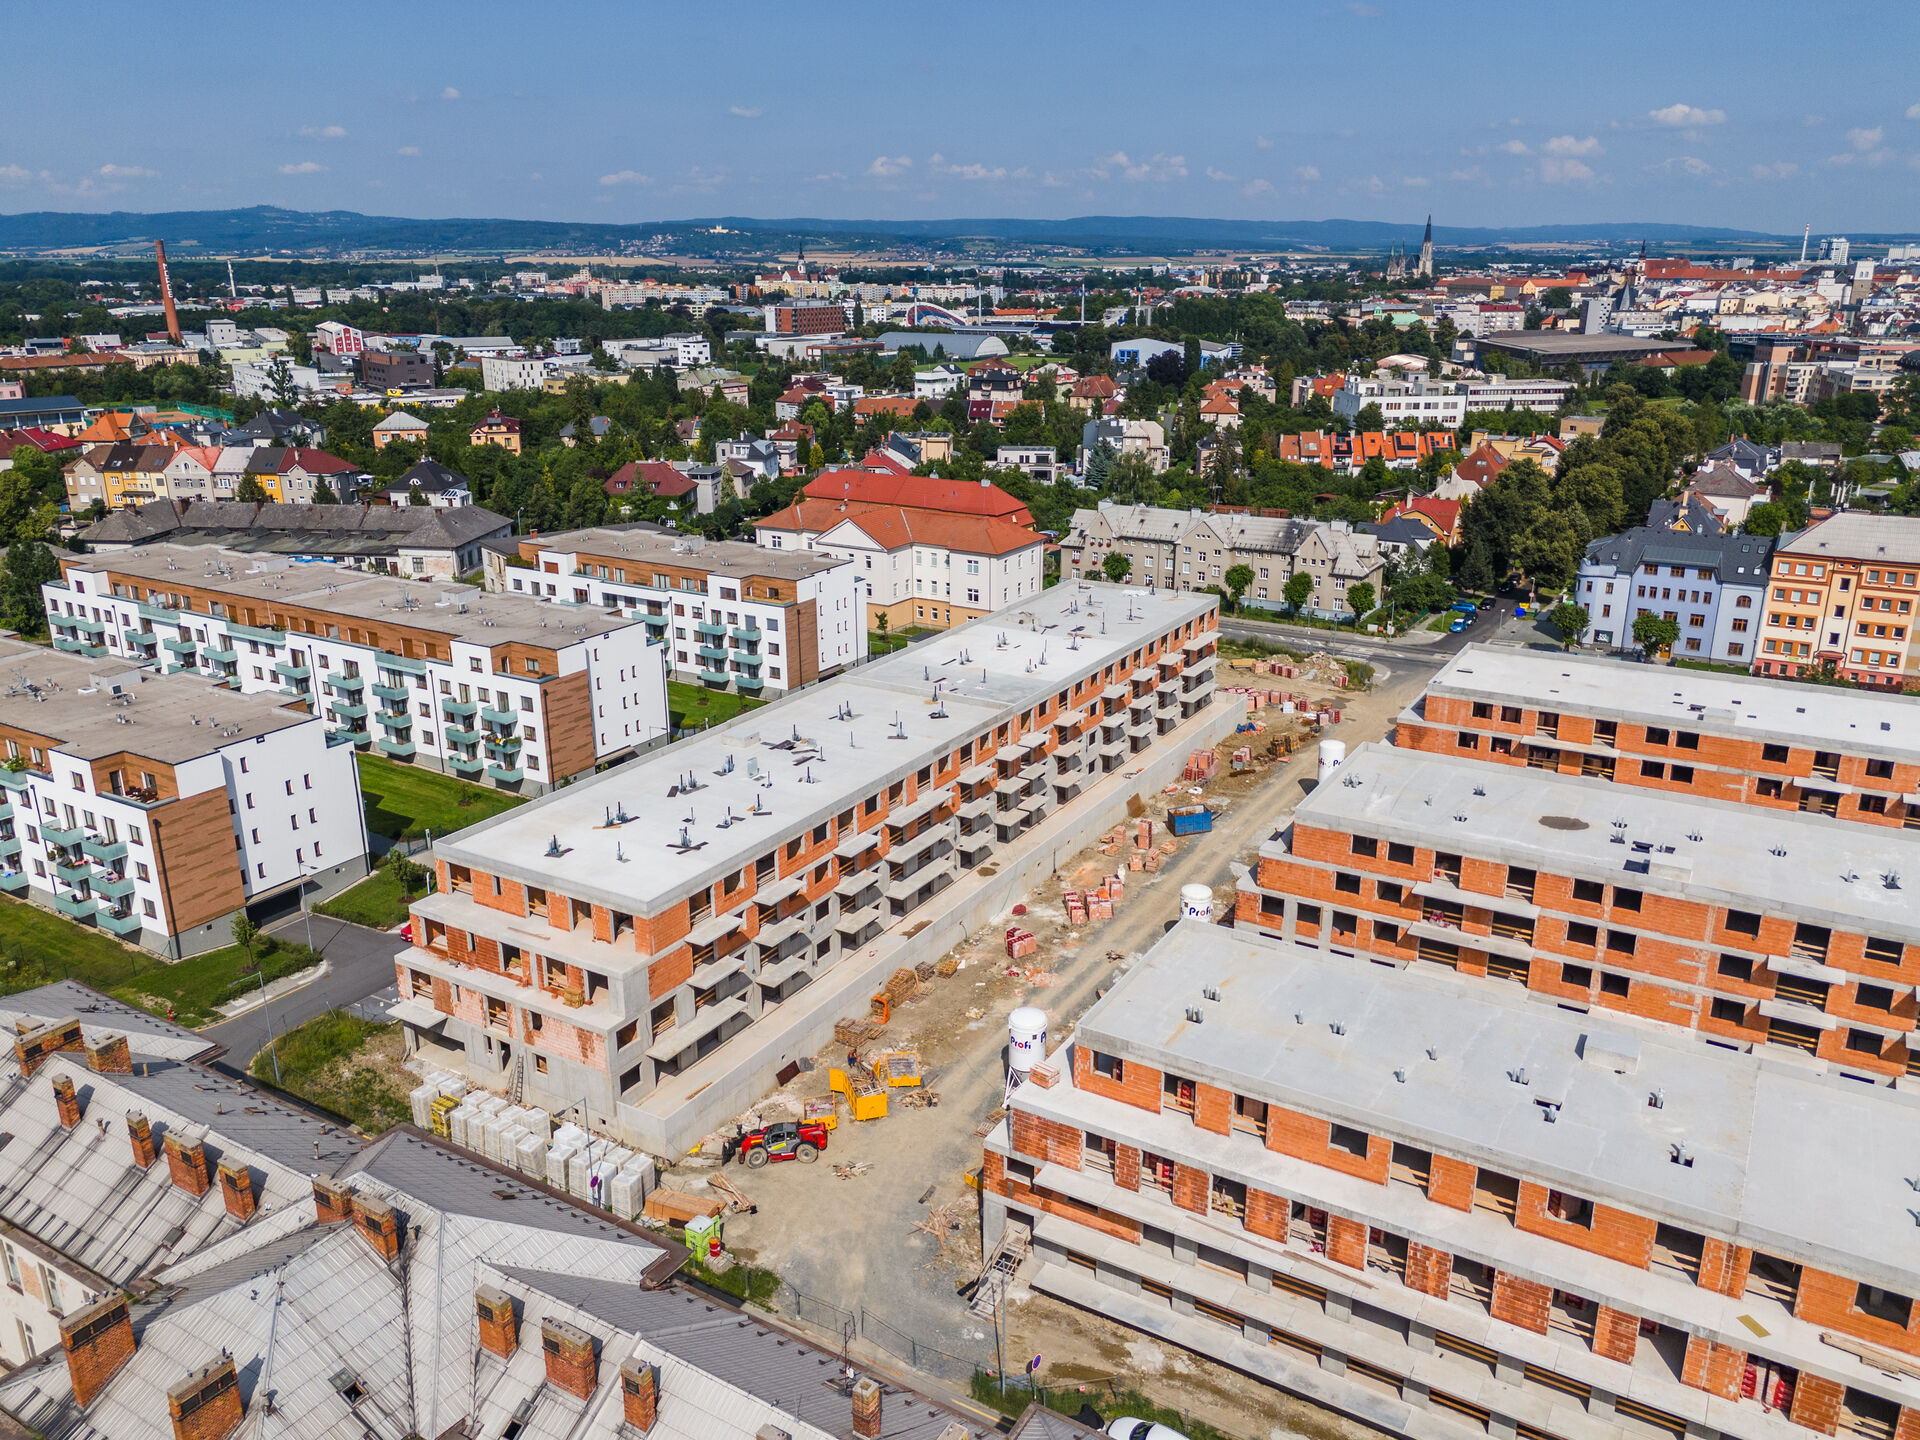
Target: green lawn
x=697, y=706
x=315, y=1065
x=377, y=901
x=38, y=947
x=881, y=643
x=404, y=803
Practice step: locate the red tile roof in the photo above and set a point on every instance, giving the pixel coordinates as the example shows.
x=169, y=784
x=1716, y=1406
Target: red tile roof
x=920, y=492
x=893, y=527
x=654, y=477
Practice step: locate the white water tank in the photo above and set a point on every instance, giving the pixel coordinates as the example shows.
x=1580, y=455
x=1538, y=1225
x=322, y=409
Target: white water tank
x=1333, y=754
x=1196, y=902
x=1026, y=1038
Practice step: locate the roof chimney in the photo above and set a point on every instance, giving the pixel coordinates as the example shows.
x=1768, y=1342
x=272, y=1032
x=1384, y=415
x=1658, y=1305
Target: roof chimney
x=187, y=1163
x=141, y=1134
x=866, y=1409
x=375, y=1220
x=236, y=1188
x=331, y=1203
x=639, y=1394
x=32, y=1046
x=570, y=1360
x=499, y=1329
x=98, y=1340
x=110, y=1056
x=207, y=1405
x=66, y=1102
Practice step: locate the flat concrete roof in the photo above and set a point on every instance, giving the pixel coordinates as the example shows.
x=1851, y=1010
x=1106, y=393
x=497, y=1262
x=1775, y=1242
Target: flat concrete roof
x=1783, y=1157
x=1826, y=871
x=721, y=557
x=171, y=718
x=770, y=773
x=1568, y=345
x=1778, y=711
x=445, y=607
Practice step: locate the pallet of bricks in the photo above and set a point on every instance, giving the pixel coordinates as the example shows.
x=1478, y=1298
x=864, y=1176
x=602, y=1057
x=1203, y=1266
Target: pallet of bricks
x=1020, y=943
x=1144, y=856
x=1200, y=766
x=1094, y=904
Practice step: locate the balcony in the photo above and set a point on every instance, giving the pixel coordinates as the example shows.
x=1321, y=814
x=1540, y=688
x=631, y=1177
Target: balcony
x=347, y=712
x=462, y=736
x=9, y=846
x=748, y=636
x=750, y=682
x=13, y=882
x=6, y=807
x=75, y=907
x=177, y=645
x=395, y=719
x=54, y=835
x=399, y=749
x=466, y=764
x=503, y=718
x=74, y=873
x=501, y=775
x=142, y=640
x=711, y=627
x=116, y=887
x=219, y=655
x=79, y=647
x=713, y=677
x=118, y=922
x=394, y=694
x=287, y=670
x=459, y=709
x=105, y=851
x=347, y=684
x=714, y=652
x=502, y=744
x=14, y=780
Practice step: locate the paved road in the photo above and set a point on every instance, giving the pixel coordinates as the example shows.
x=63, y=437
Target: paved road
x=361, y=980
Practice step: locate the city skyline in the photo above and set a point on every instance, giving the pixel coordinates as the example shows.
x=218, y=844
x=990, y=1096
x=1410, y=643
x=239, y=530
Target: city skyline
x=898, y=115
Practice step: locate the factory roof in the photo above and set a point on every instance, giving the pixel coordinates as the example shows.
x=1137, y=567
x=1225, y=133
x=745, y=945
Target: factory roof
x=1713, y=702
x=92, y=709
x=1757, y=1147
x=1838, y=873
x=703, y=807
x=1568, y=345
x=477, y=616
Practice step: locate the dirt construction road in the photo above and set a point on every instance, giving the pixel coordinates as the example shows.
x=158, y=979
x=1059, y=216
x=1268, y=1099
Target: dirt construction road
x=848, y=1248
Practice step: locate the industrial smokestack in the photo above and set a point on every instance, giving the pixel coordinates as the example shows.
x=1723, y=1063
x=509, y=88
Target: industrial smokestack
x=166, y=292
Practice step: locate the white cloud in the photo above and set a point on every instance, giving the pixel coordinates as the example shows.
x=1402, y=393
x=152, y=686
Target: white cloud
x=1256, y=187
x=408, y=150
x=937, y=163
x=14, y=175
x=1913, y=112
x=1515, y=147
x=701, y=181
x=1690, y=116
x=1158, y=167
x=1221, y=175
x=127, y=172
x=1415, y=182
x=1265, y=144
x=1363, y=12
x=1472, y=175
x=1556, y=171
x=745, y=112
x=1309, y=173
x=1778, y=170
x=1053, y=181
x=1683, y=165
x=1863, y=139
x=830, y=177
x=885, y=167
x=1568, y=145
x=324, y=132
x=626, y=177
x=449, y=93
x=304, y=167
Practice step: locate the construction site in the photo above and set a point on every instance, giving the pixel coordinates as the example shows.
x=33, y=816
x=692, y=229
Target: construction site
x=875, y=1236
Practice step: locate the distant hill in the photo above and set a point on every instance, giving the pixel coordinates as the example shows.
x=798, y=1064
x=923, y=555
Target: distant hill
x=262, y=229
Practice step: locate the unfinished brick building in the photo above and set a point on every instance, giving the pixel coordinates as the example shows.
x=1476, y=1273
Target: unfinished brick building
x=1750, y=926
x=1845, y=753
x=1452, y=1211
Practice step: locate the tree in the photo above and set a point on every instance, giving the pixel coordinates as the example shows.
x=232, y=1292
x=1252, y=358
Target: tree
x=1100, y=464
x=1570, y=620
x=1369, y=418
x=245, y=934
x=1361, y=598
x=1131, y=481
x=251, y=492
x=29, y=565
x=1298, y=587
x=1655, y=633
x=323, y=494
x=1766, y=518
x=1116, y=567
x=280, y=380
x=416, y=496
x=1238, y=578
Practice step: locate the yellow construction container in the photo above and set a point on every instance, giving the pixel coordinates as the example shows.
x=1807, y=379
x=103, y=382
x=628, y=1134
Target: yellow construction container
x=438, y=1111
x=865, y=1100
x=897, y=1067
x=819, y=1110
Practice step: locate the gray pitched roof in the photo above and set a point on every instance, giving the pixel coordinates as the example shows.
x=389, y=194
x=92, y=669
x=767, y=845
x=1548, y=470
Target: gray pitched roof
x=1735, y=557
x=332, y=529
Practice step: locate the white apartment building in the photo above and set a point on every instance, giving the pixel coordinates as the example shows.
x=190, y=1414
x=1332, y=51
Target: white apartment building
x=722, y=614
x=513, y=372
x=1436, y=403
x=158, y=806
x=491, y=688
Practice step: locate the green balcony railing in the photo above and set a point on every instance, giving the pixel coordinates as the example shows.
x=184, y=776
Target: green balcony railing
x=713, y=677
x=287, y=670
x=467, y=764
x=714, y=652
x=117, y=887
x=710, y=627
x=13, y=882
x=399, y=749
x=177, y=645
x=750, y=682
x=219, y=655
x=391, y=692
x=346, y=684
x=79, y=647
x=395, y=719
x=104, y=850
x=464, y=709
x=55, y=835
x=118, y=922
x=498, y=717
x=78, y=907
x=347, y=712
x=501, y=775
x=462, y=736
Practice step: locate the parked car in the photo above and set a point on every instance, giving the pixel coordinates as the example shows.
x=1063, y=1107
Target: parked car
x=1466, y=607
x=1457, y=626
x=1127, y=1428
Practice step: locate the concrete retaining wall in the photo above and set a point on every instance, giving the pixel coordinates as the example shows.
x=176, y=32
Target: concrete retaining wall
x=677, y=1114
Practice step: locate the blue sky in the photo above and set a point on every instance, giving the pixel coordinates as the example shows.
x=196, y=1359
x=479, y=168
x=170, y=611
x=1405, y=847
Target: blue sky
x=1759, y=115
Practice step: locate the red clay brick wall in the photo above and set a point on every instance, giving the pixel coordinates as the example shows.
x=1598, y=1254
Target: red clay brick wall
x=1521, y=1302
x=1828, y=1300
x=1450, y=1183
x=1267, y=1215
x=1190, y=1189
x=1816, y=1403
x=1046, y=1140
x=1428, y=1270
x=1616, y=1334
x=1126, y=1167
x=1305, y=1138
x=1346, y=1242
x=1615, y=1234
x=1213, y=1109
x=1139, y=1085
x=1723, y=1267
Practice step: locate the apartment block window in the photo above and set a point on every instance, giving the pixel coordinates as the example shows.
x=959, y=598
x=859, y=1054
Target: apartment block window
x=1364, y=845
x=1346, y=1139
x=1109, y=1067
x=1399, y=854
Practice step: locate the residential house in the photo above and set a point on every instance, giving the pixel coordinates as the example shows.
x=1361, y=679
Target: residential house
x=1403, y=538
x=994, y=389
x=427, y=483
x=400, y=426
x=1091, y=394
x=761, y=457
x=937, y=382
x=390, y=370
x=1442, y=517
x=1730, y=494
x=1842, y=595
x=497, y=429
x=598, y=427
x=1745, y=458
x=1145, y=438
x=1688, y=515
x=1036, y=462
x=1712, y=586
x=919, y=492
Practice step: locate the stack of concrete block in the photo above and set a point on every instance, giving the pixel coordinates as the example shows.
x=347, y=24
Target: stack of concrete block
x=1020, y=943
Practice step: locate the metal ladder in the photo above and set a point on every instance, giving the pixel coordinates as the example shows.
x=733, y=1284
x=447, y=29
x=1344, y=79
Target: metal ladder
x=517, y=1081
x=997, y=1274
